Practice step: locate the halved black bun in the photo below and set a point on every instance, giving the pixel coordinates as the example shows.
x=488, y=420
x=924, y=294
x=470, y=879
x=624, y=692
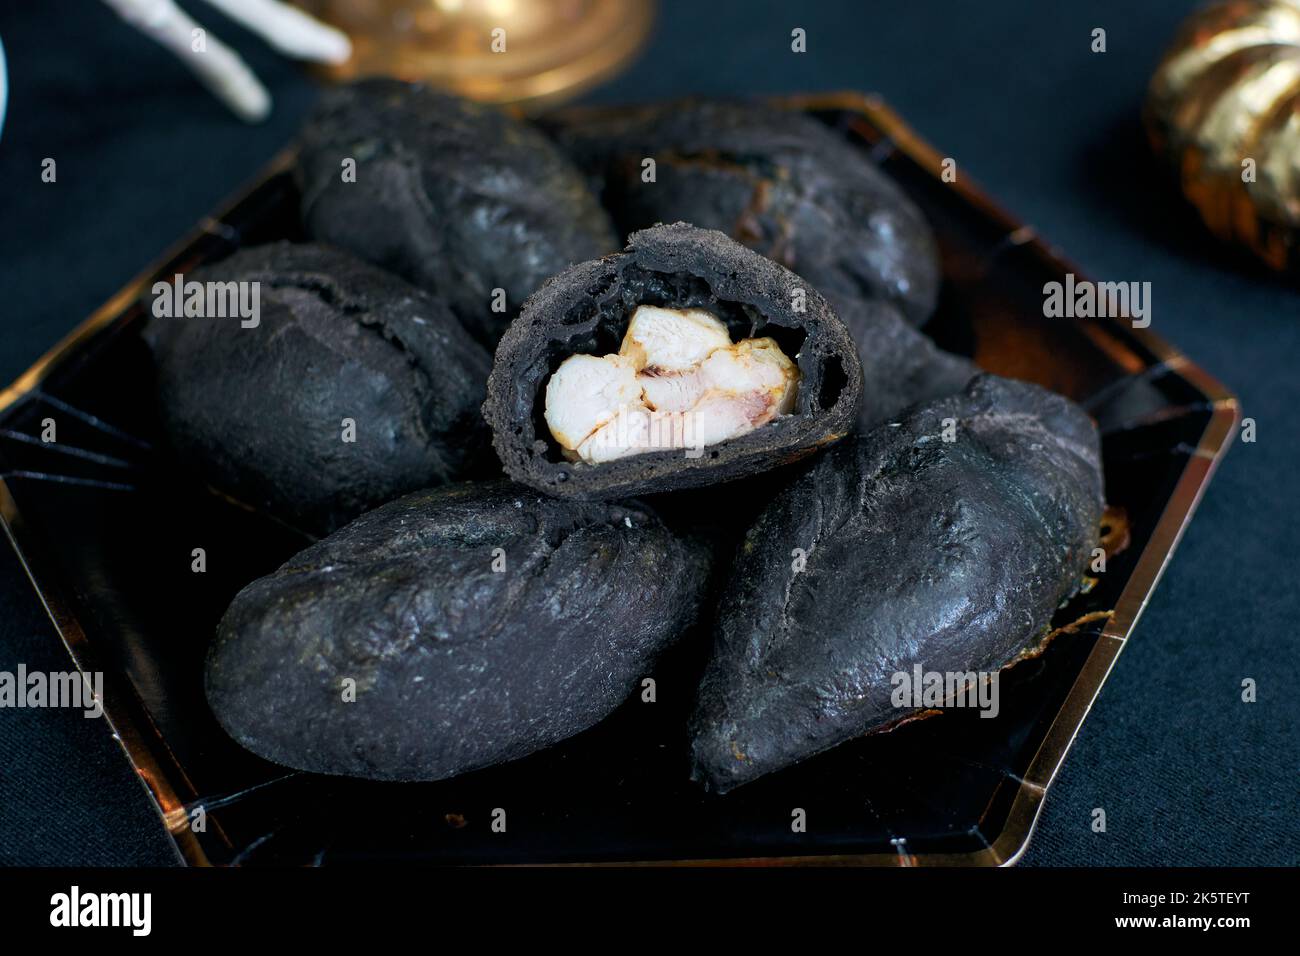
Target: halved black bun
x=587, y=309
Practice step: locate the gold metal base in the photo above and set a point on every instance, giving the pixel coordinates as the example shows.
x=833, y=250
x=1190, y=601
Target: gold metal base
x=527, y=52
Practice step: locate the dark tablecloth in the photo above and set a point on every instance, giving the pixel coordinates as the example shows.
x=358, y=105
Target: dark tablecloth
x=1187, y=773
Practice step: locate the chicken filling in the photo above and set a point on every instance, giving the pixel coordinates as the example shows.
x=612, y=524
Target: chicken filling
x=677, y=382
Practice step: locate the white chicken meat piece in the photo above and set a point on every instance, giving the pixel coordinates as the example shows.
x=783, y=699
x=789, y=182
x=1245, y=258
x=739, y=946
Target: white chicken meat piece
x=677, y=382
x=672, y=391
x=630, y=432
x=754, y=366
x=587, y=391
x=672, y=340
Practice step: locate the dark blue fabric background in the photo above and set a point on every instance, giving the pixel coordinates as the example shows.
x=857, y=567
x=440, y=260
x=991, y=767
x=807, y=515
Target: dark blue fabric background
x=1187, y=774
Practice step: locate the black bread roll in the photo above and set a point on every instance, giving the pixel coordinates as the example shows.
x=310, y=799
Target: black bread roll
x=259, y=412
x=776, y=180
x=477, y=623
x=948, y=554
x=457, y=197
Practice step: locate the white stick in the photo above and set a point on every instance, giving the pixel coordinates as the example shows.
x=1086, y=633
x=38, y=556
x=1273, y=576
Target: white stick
x=217, y=66
x=288, y=29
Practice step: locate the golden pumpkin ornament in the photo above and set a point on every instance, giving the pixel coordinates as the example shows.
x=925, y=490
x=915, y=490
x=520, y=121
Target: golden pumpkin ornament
x=1224, y=109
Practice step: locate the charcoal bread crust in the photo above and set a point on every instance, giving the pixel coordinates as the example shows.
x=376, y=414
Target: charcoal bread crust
x=586, y=310
x=478, y=622
x=457, y=197
x=901, y=366
x=953, y=555
x=776, y=180
x=259, y=412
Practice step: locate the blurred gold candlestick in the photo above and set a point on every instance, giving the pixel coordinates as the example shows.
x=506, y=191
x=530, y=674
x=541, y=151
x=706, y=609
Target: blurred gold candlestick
x=531, y=52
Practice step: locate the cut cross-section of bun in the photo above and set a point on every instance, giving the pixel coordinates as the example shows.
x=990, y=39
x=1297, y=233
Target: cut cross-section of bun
x=686, y=360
